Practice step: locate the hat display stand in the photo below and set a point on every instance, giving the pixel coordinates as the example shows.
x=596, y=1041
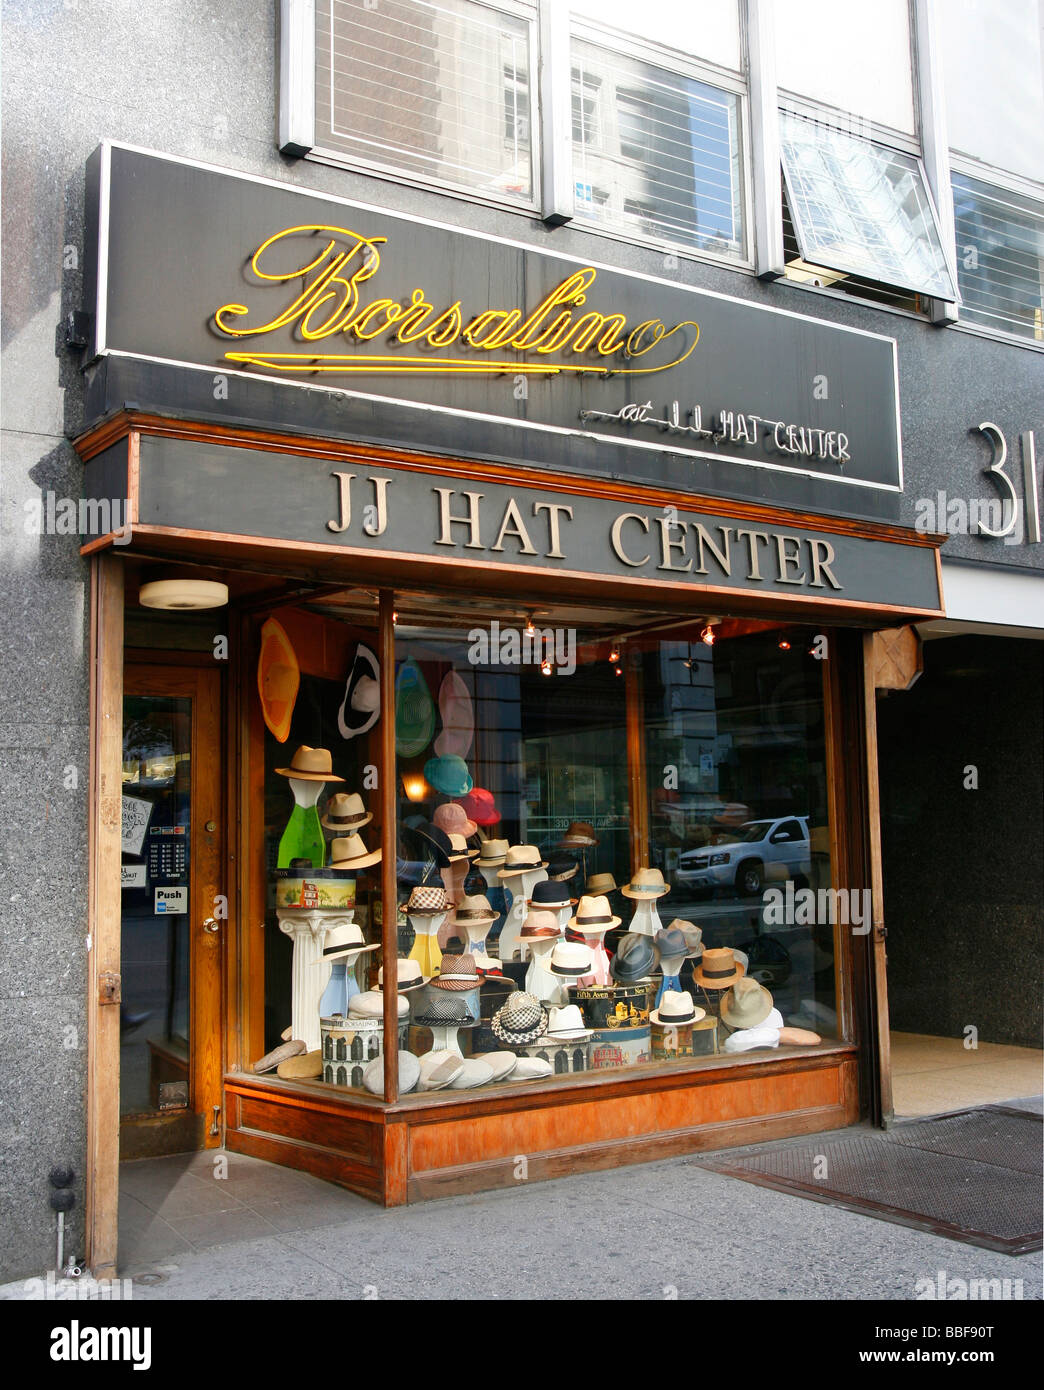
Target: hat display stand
x=600, y=959
x=307, y=928
x=646, y=919
x=341, y=987
x=426, y=950
x=303, y=837
x=510, y=943
x=540, y=983
x=671, y=966
x=453, y=878
x=444, y=1036
x=498, y=900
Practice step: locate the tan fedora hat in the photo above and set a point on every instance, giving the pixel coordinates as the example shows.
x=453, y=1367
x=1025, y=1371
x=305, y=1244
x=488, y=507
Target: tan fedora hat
x=646, y=883
x=408, y=973
x=539, y=925
x=346, y=812
x=351, y=853
x=460, y=849
x=600, y=884
x=594, y=916
x=310, y=765
x=521, y=859
x=475, y=909
x=747, y=1004
x=492, y=854
x=718, y=968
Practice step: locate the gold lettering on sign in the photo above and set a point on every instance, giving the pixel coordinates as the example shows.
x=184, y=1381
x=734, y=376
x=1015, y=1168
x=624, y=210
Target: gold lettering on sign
x=326, y=302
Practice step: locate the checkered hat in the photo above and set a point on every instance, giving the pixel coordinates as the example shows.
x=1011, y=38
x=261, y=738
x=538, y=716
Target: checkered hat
x=443, y=1008
x=520, y=1020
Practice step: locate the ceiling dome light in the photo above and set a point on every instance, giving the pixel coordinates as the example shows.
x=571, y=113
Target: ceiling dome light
x=187, y=594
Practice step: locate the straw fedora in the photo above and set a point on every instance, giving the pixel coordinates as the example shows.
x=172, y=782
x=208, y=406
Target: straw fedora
x=676, y=1010
x=458, y=717
x=452, y=818
x=492, y=854
x=571, y=959
x=579, y=835
x=475, y=910
x=351, y=853
x=448, y=773
x=457, y=973
x=521, y=859
x=460, y=849
x=427, y=902
x=567, y=1024
x=635, y=958
x=370, y=1004
x=718, y=968
x=594, y=916
x=346, y=812
x=310, y=765
x=478, y=804
x=646, y=883
x=414, y=711
x=361, y=706
x=519, y=1020
x=746, y=1005
x=539, y=924
x=548, y=893
x=409, y=976
x=344, y=941
x=598, y=885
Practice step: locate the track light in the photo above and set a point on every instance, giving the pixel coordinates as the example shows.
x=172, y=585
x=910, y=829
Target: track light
x=784, y=645
x=614, y=655
x=545, y=667
x=707, y=635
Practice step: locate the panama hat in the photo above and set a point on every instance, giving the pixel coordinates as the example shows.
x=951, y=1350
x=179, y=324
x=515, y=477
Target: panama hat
x=539, y=925
x=746, y=1005
x=521, y=859
x=670, y=943
x=646, y=883
x=439, y=1069
x=476, y=1071
x=635, y=958
x=346, y=812
x=310, y=765
x=530, y=1069
x=427, y=902
x=458, y=717
x=370, y=1004
x=361, y=706
x=693, y=936
x=448, y=773
x=567, y=1024
x=342, y=942
x=457, y=973
x=718, y=968
x=452, y=818
x=676, y=1010
x=492, y=854
x=548, y=893
x=408, y=973
x=580, y=835
x=593, y=917
x=478, y=804
x=282, y=1053
x=460, y=849
x=414, y=711
x=571, y=959
x=519, y=1020
x=475, y=910
x=600, y=884
x=409, y=1074
x=351, y=853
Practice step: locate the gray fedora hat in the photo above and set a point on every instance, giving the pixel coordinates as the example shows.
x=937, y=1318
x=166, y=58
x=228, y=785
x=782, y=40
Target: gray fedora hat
x=635, y=958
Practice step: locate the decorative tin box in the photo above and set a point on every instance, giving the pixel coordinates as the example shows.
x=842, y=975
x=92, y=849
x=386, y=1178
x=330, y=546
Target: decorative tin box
x=313, y=888
x=564, y=1056
x=619, y=1047
x=613, y=1006
x=349, y=1043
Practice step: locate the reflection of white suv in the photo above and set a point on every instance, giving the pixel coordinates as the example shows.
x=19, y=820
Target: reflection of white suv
x=742, y=861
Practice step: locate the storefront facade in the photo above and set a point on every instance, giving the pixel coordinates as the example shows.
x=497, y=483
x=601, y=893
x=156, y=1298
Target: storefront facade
x=596, y=552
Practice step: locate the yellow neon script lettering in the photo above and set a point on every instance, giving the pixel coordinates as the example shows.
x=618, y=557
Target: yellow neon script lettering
x=328, y=303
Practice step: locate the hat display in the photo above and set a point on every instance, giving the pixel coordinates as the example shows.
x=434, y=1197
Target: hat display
x=409, y=975
x=351, y=853
x=594, y=916
x=567, y=1024
x=414, y=711
x=458, y=717
x=693, y=936
x=579, y=835
x=427, y=902
x=478, y=804
x=539, y=924
x=439, y=1010
x=561, y=865
x=306, y=1066
x=677, y=1008
x=635, y=958
x=646, y=883
x=453, y=819
x=457, y=973
x=346, y=812
x=670, y=943
x=492, y=854
x=282, y=1053
x=746, y=1005
x=448, y=774
x=344, y=941
x=460, y=849
x=361, y=706
x=476, y=1071
x=409, y=1074
x=370, y=1004
x=718, y=968
x=530, y=1069
x=310, y=765
x=519, y=1020
x=475, y=910
x=571, y=959
x=600, y=884
x=439, y=1069
x=548, y=893
x=521, y=859
x=278, y=679
x=437, y=843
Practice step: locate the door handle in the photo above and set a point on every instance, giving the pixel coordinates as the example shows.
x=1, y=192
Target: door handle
x=211, y=925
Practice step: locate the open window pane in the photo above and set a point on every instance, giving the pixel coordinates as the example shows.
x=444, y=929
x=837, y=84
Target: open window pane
x=655, y=151
x=437, y=89
x=862, y=208
x=1000, y=257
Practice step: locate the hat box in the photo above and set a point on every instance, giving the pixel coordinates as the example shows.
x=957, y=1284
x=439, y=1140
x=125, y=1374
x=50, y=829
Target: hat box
x=563, y=1055
x=311, y=888
x=348, y=1044
x=698, y=1039
x=619, y=1047
x=613, y=1006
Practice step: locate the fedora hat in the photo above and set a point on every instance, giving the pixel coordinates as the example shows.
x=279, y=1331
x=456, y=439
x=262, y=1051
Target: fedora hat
x=598, y=885
x=439, y=1069
x=351, y=853
x=310, y=765
x=519, y=1020
x=646, y=883
x=457, y=973
x=521, y=859
x=452, y=818
x=492, y=854
x=670, y=943
x=344, y=941
x=361, y=706
x=443, y=1009
x=579, y=835
x=346, y=812
x=539, y=924
x=475, y=910
x=370, y=1004
x=448, y=774
x=693, y=936
x=567, y=1024
x=561, y=866
x=548, y=893
x=718, y=968
x=427, y=902
x=408, y=973
x=435, y=843
x=458, y=717
x=594, y=916
x=414, y=711
x=460, y=849
x=571, y=959
x=635, y=958
x=478, y=804
x=676, y=1009
x=746, y=1005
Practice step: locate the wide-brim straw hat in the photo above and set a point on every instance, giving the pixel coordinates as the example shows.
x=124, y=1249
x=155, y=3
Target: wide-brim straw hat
x=521, y=859
x=361, y=707
x=566, y=1024
x=492, y=854
x=646, y=885
x=351, y=853
x=310, y=765
x=598, y=885
x=346, y=813
x=593, y=917
x=747, y=1004
x=342, y=942
x=460, y=849
x=718, y=968
x=681, y=1010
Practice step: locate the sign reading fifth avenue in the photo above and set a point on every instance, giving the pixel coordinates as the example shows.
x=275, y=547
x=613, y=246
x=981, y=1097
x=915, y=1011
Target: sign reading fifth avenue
x=425, y=336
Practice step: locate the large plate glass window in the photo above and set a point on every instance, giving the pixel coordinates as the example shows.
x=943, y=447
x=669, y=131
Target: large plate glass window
x=435, y=88
x=1000, y=257
x=862, y=208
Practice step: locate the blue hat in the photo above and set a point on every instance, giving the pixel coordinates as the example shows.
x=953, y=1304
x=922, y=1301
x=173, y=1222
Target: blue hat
x=449, y=774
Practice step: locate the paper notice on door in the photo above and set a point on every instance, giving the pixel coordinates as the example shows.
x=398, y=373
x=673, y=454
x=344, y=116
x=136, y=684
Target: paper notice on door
x=171, y=900
x=132, y=876
x=136, y=815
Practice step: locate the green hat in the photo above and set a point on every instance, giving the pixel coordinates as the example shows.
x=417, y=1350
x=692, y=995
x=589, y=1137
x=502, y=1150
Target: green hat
x=414, y=711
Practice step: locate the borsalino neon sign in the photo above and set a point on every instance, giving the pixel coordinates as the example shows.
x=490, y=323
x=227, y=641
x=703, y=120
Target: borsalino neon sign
x=329, y=303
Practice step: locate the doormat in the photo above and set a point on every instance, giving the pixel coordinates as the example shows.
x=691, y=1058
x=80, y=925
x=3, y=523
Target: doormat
x=973, y=1176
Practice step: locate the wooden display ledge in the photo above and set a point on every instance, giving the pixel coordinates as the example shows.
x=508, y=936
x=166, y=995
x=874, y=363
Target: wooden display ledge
x=442, y=1143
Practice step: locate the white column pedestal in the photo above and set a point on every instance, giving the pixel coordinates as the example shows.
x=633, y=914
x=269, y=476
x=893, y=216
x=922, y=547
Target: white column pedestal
x=307, y=928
